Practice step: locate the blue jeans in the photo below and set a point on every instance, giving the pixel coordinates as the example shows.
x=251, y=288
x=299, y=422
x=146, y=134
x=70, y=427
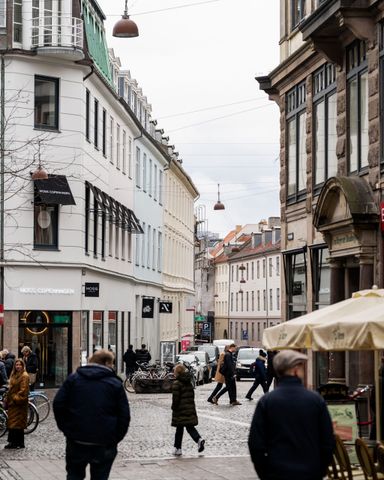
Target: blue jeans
x=100, y=458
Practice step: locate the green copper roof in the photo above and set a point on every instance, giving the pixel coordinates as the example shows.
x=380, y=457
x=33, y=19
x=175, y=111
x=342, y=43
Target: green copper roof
x=97, y=45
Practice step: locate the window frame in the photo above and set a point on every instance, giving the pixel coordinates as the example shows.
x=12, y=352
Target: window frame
x=96, y=124
x=289, y=281
x=56, y=82
x=54, y=245
x=87, y=114
x=297, y=17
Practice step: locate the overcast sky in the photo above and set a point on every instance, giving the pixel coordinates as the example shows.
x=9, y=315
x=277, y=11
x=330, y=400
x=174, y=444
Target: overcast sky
x=196, y=61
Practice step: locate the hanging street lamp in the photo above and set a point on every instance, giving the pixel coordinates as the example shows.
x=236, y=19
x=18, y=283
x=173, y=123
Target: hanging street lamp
x=125, y=27
x=218, y=204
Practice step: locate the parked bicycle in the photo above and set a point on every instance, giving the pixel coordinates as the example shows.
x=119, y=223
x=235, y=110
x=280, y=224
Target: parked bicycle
x=32, y=417
x=147, y=371
x=41, y=402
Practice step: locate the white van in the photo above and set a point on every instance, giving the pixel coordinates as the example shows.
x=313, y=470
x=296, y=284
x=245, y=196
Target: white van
x=223, y=343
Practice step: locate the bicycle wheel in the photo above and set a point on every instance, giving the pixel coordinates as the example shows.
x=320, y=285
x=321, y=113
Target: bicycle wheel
x=32, y=419
x=3, y=422
x=42, y=404
x=128, y=385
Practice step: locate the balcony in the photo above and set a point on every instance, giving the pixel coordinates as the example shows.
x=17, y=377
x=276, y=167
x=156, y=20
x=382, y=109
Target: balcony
x=58, y=36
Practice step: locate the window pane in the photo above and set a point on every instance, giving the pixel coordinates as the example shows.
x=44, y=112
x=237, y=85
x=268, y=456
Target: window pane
x=46, y=103
x=332, y=135
x=302, y=153
x=319, y=142
x=364, y=119
x=353, y=125
x=45, y=226
x=291, y=157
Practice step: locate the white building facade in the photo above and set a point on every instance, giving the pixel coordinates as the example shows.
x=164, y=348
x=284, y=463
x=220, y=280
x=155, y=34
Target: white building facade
x=84, y=248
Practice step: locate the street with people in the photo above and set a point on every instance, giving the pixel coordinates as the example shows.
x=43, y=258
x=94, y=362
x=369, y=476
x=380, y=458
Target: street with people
x=150, y=441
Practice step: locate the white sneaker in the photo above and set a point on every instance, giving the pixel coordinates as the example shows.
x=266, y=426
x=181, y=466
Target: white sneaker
x=177, y=452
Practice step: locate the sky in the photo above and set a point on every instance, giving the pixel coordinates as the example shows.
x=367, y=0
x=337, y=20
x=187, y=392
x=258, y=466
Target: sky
x=196, y=62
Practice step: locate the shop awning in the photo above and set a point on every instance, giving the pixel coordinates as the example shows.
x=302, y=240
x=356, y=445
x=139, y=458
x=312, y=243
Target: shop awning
x=113, y=210
x=53, y=191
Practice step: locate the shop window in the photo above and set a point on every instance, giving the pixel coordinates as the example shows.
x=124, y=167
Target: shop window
x=45, y=229
x=321, y=275
x=84, y=333
x=46, y=103
x=296, y=155
x=357, y=106
x=112, y=332
x=296, y=283
x=98, y=330
x=325, y=119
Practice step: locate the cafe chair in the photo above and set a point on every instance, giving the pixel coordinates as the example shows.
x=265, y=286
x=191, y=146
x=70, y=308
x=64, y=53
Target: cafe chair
x=366, y=461
x=344, y=470
x=380, y=457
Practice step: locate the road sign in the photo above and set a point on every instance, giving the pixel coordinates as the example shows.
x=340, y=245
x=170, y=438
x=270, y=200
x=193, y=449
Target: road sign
x=244, y=335
x=206, y=331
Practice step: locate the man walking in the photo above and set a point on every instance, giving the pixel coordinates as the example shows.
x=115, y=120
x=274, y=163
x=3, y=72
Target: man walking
x=260, y=374
x=143, y=355
x=228, y=369
x=291, y=435
x=129, y=358
x=91, y=409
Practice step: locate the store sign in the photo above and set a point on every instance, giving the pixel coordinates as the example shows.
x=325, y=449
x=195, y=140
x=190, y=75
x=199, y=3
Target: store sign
x=341, y=242
x=147, y=308
x=47, y=291
x=165, y=307
x=92, y=289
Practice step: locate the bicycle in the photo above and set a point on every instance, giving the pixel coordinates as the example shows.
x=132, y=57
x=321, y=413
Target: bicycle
x=32, y=416
x=41, y=402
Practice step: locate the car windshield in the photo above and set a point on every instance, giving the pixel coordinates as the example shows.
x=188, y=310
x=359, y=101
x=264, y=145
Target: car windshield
x=211, y=350
x=201, y=356
x=186, y=358
x=247, y=354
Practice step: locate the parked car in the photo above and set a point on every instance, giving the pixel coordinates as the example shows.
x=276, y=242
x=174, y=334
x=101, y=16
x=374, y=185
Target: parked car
x=213, y=353
x=204, y=361
x=197, y=367
x=245, y=357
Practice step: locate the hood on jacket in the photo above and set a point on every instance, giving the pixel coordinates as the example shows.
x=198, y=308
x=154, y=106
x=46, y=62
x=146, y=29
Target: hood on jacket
x=184, y=377
x=94, y=371
x=10, y=356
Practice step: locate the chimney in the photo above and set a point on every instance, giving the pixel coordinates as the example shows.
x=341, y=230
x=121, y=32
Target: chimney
x=262, y=225
x=267, y=236
x=256, y=239
x=276, y=235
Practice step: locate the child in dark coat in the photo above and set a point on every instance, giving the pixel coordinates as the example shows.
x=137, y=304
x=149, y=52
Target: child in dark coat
x=184, y=409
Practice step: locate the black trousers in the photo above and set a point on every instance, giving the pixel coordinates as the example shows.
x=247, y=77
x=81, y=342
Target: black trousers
x=230, y=383
x=216, y=391
x=179, y=435
x=16, y=437
x=258, y=381
x=100, y=458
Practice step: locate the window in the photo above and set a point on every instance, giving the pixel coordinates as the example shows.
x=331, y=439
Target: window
x=138, y=167
x=143, y=244
x=325, y=120
x=104, y=133
x=232, y=302
x=3, y=12
x=321, y=274
x=278, y=266
x=117, y=145
x=242, y=301
x=247, y=270
x=46, y=103
x=253, y=301
x=297, y=12
x=130, y=157
x=270, y=299
x=264, y=267
x=264, y=301
x=111, y=140
x=150, y=178
x=154, y=235
x=45, y=231
x=232, y=273
x=258, y=300
x=17, y=19
x=296, y=137
x=149, y=239
x=124, y=153
x=144, y=172
x=258, y=269
x=277, y=298
x=160, y=187
x=159, y=251
x=247, y=302
x=270, y=266
x=87, y=113
x=96, y=124
x=296, y=283
x=155, y=183
x=357, y=95
x=137, y=249
x=253, y=270
x=237, y=302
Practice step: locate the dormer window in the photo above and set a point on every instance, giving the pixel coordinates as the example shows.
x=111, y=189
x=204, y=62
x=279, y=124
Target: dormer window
x=17, y=20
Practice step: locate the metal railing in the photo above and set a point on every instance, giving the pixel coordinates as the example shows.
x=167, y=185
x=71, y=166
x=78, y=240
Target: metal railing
x=57, y=31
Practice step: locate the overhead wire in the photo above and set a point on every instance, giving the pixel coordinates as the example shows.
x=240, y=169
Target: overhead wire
x=177, y=7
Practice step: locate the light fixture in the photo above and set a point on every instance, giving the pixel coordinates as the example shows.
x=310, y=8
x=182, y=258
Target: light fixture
x=125, y=27
x=218, y=204
x=39, y=174
x=242, y=267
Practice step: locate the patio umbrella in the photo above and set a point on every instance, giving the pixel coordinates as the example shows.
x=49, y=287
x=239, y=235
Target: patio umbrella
x=299, y=333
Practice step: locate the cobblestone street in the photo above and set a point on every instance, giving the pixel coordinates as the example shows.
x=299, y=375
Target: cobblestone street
x=149, y=443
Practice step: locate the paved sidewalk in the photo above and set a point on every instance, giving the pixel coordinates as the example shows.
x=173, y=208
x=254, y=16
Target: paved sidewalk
x=183, y=468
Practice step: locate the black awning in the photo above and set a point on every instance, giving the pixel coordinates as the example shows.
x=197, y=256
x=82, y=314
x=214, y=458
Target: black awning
x=113, y=210
x=53, y=191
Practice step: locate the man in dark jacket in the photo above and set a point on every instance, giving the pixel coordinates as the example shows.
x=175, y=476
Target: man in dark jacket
x=291, y=433
x=260, y=374
x=129, y=358
x=228, y=369
x=91, y=409
x=142, y=355
x=9, y=360
x=3, y=373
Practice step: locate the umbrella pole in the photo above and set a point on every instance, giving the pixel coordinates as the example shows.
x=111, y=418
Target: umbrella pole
x=378, y=394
